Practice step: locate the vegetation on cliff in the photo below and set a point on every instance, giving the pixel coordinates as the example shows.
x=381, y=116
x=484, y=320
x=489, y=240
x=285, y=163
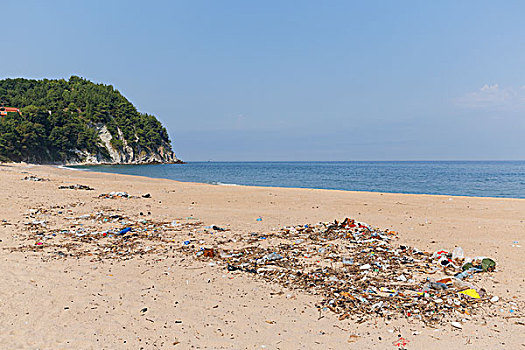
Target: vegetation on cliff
x=60, y=121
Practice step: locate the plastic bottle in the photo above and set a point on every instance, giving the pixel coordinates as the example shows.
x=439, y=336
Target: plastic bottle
x=458, y=253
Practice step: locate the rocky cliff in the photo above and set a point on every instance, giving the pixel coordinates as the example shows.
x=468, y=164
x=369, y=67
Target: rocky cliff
x=123, y=155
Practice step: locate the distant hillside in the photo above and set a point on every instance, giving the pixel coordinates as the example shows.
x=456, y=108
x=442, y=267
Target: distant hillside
x=77, y=121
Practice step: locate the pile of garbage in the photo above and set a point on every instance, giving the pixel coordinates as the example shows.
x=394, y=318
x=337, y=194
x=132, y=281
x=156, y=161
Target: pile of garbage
x=359, y=273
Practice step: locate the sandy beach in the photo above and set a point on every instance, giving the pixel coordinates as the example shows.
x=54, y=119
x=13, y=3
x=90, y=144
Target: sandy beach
x=172, y=301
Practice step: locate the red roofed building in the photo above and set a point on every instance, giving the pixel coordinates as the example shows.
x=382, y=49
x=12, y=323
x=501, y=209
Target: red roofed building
x=5, y=111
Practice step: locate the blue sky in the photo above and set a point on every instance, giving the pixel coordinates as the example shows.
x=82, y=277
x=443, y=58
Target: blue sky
x=294, y=80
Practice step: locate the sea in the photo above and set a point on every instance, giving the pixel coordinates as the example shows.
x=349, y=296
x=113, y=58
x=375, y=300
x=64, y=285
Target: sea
x=455, y=178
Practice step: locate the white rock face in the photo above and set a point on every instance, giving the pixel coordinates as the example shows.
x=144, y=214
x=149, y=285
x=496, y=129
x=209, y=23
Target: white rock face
x=125, y=155
x=106, y=138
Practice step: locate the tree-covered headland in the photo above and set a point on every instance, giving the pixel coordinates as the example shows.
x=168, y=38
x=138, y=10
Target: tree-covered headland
x=60, y=121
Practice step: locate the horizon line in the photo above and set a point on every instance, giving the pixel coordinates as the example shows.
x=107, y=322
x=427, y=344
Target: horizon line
x=373, y=160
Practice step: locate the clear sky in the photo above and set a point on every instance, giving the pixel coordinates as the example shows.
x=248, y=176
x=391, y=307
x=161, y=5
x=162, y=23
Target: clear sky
x=294, y=80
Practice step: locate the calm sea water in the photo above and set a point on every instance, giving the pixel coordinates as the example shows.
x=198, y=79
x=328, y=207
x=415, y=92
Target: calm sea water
x=466, y=178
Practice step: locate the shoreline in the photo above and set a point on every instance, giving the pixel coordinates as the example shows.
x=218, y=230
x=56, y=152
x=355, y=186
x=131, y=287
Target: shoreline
x=279, y=187
x=197, y=304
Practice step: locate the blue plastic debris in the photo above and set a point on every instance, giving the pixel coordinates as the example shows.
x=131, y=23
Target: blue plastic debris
x=126, y=230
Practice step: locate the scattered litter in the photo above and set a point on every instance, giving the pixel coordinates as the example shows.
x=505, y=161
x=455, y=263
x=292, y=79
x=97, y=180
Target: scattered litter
x=125, y=230
x=113, y=195
x=479, y=264
x=273, y=256
x=215, y=228
x=353, y=268
x=365, y=267
x=101, y=235
x=353, y=338
x=76, y=187
x=456, y=325
x=401, y=278
x=437, y=285
x=471, y=293
x=34, y=178
x=209, y=253
x=458, y=253
x=401, y=343
x=348, y=261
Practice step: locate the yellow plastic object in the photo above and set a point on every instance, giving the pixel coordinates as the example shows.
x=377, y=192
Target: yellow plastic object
x=471, y=293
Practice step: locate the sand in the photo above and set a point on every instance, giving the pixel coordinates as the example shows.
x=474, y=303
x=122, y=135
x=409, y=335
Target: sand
x=79, y=304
